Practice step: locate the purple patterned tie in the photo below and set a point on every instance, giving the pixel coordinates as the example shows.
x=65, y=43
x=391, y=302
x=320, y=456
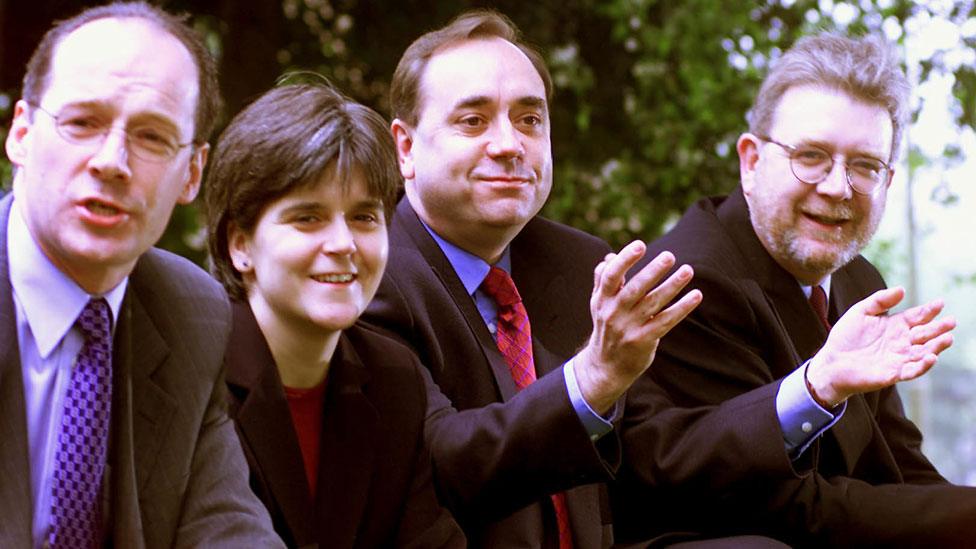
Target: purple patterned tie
x=82, y=442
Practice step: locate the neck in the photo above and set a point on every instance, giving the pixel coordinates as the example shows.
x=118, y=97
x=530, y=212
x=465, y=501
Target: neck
x=485, y=241
x=302, y=354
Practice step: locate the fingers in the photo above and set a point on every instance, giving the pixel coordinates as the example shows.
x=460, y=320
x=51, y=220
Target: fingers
x=644, y=281
x=937, y=345
x=917, y=368
x=611, y=277
x=882, y=301
x=925, y=332
x=662, y=322
x=657, y=298
x=923, y=314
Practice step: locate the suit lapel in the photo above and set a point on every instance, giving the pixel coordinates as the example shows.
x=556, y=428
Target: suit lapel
x=807, y=335
x=410, y=225
x=265, y=425
x=141, y=415
x=854, y=431
x=152, y=408
x=542, y=296
x=780, y=290
x=16, y=504
x=349, y=427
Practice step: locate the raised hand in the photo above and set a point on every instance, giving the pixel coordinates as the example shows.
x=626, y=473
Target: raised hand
x=629, y=319
x=868, y=350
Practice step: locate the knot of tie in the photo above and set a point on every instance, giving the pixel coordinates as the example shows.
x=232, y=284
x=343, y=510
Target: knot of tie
x=95, y=321
x=500, y=286
x=818, y=300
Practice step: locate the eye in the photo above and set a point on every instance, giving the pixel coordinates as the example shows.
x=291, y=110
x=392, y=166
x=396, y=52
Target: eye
x=531, y=120
x=368, y=217
x=153, y=139
x=304, y=220
x=80, y=125
x=471, y=122
x=869, y=167
x=811, y=156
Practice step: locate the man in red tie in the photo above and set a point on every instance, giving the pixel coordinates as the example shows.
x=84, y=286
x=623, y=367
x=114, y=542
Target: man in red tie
x=805, y=382
x=497, y=300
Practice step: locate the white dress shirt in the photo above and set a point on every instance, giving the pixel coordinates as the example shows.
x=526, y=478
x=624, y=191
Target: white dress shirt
x=47, y=303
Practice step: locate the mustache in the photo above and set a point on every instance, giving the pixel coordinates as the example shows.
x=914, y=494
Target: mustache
x=507, y=169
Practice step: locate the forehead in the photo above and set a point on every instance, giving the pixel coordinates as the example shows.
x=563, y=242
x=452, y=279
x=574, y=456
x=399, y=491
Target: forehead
x=820, y=114
x=488, y=67
x=127, y=63
x=330, y=187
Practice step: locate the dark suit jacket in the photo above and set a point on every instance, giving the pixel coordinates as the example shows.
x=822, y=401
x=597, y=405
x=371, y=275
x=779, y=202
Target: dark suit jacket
x=499, y=457
x=374, y=487
x=865, y=482
x=176, y=476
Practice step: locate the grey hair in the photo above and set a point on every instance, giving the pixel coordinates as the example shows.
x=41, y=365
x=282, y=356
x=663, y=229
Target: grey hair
x=866, y=68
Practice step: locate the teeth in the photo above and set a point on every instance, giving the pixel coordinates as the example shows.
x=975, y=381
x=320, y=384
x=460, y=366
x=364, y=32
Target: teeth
x=334, y=278
x=101, y=209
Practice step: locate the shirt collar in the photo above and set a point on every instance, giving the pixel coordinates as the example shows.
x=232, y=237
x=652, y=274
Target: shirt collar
x=470, y=268
x=825, y=284
x=51, y=301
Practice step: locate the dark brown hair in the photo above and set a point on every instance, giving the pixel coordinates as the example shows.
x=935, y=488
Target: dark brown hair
x=288, y=139
x=472, y=25
x=208, y=102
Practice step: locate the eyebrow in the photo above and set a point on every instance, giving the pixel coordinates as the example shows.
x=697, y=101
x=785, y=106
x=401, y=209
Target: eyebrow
x=312, y=206
x=858, y=153
x=139, y=116
x=482, y=100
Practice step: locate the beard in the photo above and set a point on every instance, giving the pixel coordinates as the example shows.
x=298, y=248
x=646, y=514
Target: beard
x=808, y=254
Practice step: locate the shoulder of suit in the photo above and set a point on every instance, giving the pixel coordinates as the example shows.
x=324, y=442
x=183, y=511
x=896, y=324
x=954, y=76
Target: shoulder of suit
x=543, y=237
x=175, y=281
x=372, y=345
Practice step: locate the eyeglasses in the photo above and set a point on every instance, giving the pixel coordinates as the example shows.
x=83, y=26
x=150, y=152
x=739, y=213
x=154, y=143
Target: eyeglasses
x=148, y=141
x=812, y=165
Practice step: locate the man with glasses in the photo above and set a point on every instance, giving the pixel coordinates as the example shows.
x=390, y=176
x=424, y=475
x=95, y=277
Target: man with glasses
x=795, y=341
x=113, y=429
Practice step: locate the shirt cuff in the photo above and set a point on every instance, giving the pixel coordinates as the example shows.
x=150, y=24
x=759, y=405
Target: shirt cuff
x=595, y=425
x=800, y=417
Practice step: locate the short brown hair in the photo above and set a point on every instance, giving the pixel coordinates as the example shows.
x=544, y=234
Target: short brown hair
x=471, y=25
x=866, y=68
x=208, y=102
x=284, y=141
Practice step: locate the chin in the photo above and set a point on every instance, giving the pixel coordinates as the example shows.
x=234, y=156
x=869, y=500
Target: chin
x=336, y=322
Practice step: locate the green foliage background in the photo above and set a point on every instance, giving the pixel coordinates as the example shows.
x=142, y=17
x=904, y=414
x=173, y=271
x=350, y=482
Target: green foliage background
x=650, y=94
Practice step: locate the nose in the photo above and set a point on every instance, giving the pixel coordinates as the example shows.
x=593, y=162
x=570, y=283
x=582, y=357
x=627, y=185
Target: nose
x=339, y=239
x=111, y=160
x=505, y=141
x=835, y=185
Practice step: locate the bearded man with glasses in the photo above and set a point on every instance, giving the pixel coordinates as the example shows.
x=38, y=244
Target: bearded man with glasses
x=795, y=342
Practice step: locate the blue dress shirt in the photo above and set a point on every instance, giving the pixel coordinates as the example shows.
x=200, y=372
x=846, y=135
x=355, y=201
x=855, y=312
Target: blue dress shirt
x=47, y=304
x=801, y=418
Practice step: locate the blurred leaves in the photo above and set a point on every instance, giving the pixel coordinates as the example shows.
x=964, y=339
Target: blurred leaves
x=650, y=94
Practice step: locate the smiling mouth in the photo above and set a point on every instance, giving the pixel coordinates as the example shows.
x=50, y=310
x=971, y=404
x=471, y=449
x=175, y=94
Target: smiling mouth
x=824, y=220
x=344, y=278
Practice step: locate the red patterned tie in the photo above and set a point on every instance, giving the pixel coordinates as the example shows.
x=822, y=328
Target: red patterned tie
x=83, y=439
x=513, y=335
x=818, y=300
